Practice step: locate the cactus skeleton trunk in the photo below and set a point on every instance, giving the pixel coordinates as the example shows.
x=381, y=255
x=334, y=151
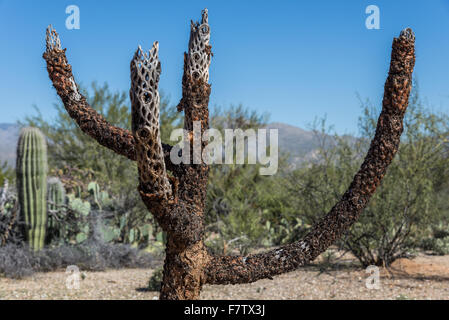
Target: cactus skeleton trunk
x=31, y=171
x=177, y=201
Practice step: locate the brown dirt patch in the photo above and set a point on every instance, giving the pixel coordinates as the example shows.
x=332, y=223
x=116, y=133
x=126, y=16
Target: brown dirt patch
x=422, y=267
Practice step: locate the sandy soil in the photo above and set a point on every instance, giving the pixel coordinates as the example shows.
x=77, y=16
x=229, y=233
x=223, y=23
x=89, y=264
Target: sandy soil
x=425, y=277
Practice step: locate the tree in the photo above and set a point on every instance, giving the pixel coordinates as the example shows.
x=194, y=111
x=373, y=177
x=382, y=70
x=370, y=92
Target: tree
x=177, y=200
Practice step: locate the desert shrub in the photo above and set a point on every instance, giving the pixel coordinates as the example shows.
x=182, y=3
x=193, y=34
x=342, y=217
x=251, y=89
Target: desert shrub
x=438, y=246
x=240, y=201
x=154, y=284
x=438, y=242
x=6, y=173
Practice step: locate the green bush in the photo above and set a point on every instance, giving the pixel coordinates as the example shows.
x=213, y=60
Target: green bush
x=438, y=246
x=6, y=173
x=240, y=201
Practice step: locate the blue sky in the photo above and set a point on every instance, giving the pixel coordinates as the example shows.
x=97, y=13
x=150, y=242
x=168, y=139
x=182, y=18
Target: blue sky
x=297, y=60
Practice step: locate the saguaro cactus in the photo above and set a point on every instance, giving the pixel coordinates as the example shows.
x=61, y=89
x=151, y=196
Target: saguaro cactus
x=31, y=171
x=178, y=202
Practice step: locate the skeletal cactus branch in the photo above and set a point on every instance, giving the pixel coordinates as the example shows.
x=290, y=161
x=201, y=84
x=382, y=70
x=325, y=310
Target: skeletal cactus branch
x=145, y=73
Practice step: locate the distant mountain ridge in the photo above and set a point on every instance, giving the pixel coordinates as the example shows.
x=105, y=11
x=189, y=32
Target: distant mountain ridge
x=9, y=134
x=301, y=144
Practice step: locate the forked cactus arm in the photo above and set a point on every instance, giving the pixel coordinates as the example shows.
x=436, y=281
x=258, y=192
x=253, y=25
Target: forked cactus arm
x=145, y=100
x=239, y=269
x=90, y=122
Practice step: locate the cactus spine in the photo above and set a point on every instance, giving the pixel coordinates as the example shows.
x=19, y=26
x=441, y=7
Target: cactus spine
x=31, y=172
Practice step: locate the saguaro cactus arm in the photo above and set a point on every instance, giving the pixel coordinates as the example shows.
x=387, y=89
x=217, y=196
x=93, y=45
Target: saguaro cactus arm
x=31, y=170
x=239, y=269
x=90, y=122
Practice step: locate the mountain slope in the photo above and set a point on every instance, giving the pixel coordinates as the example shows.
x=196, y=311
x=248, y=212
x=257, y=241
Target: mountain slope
x=300, y=144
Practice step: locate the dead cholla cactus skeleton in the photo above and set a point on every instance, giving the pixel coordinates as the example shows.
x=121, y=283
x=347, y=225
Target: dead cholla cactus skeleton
x=177, y=201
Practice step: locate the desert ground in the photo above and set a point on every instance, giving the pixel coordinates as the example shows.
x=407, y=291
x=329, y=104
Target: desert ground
x=423, y=277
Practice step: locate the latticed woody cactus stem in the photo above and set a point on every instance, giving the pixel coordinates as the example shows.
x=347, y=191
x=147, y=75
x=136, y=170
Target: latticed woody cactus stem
x=179, y=206
x=195, y=87
x=198, y=57
x=145, y=73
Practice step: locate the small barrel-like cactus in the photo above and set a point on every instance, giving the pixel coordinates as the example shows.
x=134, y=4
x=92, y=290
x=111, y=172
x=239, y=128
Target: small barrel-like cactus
x=56, y=193
x=55, y=204
x=31, y=172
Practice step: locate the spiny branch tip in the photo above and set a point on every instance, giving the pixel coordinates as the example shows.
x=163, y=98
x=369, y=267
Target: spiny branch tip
x=52, y=39
x=407, y=34
x=204, y=20
x=147, y=57
x=204, y=16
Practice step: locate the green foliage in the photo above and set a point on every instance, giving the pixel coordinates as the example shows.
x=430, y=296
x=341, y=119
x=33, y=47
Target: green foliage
x=240, y=201
x=438, y=242
x=79, y=231
x=79, y=205
x=32, y=185
x=6, y=172
x=100, y=198
x=438, y=246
